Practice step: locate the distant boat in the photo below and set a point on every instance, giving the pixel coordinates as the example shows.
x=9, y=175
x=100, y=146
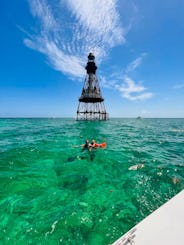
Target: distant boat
x=139, y=117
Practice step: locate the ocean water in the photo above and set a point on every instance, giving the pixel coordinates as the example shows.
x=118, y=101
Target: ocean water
x=53, y=192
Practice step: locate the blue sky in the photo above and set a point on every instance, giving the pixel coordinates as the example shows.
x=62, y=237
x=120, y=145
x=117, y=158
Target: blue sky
x=139, y=49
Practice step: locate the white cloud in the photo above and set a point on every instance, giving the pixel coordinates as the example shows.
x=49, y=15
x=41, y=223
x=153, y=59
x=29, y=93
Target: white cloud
x=135, y=63
x=132, y=91
x=128, y=87
x=70, y=29
x=99, y=17
x=41, y=10
x=107, y=83
x=58, y=59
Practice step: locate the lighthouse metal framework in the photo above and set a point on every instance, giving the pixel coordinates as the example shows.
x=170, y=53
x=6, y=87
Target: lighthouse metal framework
x=91, y=103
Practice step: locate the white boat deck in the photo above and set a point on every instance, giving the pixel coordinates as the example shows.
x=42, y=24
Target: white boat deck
x=165, y=226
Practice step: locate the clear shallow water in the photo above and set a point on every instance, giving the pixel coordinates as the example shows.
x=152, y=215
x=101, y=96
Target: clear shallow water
x=53, y=193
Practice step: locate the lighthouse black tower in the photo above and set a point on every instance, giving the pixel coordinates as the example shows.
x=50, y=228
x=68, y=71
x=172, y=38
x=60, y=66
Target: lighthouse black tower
x=91, y=103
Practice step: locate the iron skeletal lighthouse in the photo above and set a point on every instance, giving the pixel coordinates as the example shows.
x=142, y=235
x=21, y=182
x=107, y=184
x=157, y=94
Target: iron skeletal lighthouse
x=91, y=103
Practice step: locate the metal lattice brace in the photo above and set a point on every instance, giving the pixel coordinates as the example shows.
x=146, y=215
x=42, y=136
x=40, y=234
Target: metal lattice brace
x=91, y=103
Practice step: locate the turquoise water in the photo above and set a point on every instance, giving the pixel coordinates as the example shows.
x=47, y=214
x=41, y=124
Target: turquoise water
x=52, y=192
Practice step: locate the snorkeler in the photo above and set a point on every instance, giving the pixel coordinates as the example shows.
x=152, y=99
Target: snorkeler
x=93, y=144
x=89, y=147
x=86, y=145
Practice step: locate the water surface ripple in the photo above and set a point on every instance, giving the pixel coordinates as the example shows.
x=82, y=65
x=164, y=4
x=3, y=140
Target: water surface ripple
x=52, y=192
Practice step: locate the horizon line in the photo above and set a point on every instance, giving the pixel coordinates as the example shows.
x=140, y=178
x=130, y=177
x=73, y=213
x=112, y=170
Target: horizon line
x=136, y=117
